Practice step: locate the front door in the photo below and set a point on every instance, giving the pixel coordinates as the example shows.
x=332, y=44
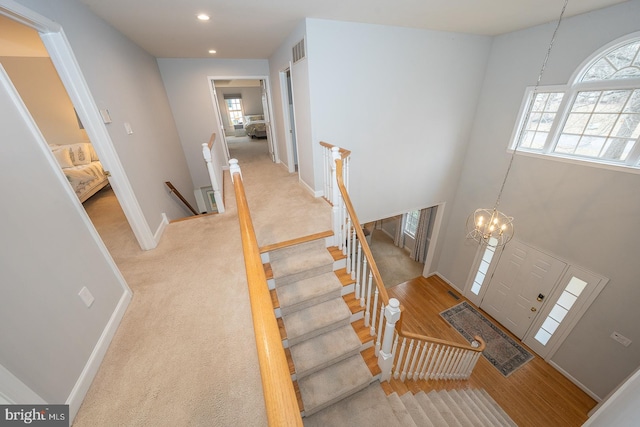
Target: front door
x=522, y=280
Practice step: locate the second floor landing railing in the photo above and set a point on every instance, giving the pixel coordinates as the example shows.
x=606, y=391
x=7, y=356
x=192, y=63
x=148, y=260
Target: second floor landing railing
x=403, y=354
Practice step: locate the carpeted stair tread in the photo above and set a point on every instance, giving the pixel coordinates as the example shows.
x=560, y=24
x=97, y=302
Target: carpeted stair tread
x=402, y=414
x=486, y=408
x=300, y=261
x=495, y=409
x=415, y=410
x=444, y=409
x=430, y=409
x=307, y=292
x=467, y=408
x=472, y=411
x=315, y=320
x=366, y=408
x=319, y=352
x=327, y=386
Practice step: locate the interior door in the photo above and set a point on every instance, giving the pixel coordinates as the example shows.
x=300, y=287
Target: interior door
x=267, y=118
x=221, y=134
x=523, y=279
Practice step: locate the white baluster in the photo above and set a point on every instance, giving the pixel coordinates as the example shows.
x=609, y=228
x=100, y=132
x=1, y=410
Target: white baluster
x=367, y=307
x=354, y=242
x=454, y=368
x=399, y=362
x=445, y=368
x=336, y=209
x=380, y=331
x=372, y=332
x=438, y=367
x=386, y=355
x=347, y=250
x=468, y=357
x=363, y=290
x=434, y=359
x=407, y=360
x=410, y=373
x=358, y=266
x=418, y=371
x=427, y=360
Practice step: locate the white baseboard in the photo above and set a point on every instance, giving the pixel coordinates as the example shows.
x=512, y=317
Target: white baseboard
x=163, y=224
x=575, y=381
x=313, y=192
x=90, y=370
x=449, y=282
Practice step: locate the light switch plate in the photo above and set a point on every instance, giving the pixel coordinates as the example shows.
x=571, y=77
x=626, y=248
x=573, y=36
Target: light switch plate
x=127, y=127
x=86, y=296
x=106, y=117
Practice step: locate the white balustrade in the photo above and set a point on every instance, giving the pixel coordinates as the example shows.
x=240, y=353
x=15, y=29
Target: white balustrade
x=214, y=168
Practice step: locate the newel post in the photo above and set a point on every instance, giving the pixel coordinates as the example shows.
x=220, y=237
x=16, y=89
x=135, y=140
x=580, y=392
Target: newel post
x=385, y=357
x=336, y=199
x=233, y=168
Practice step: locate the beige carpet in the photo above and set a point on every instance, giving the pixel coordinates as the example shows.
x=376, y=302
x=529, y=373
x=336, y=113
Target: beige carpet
x=394, y=263
x=184, y=354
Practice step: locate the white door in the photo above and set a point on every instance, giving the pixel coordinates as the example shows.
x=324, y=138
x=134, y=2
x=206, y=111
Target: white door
x=523, y=279
x=216, y=106
x=266, y=113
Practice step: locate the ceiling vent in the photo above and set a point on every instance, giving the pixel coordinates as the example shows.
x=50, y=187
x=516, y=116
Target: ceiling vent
x=298, y=51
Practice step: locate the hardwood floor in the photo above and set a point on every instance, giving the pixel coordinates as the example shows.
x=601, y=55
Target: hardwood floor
x=535, y=395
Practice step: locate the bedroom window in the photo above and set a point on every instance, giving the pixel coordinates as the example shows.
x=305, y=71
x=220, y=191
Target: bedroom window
x=411, y=224
x=234, y=108
x=595, y=119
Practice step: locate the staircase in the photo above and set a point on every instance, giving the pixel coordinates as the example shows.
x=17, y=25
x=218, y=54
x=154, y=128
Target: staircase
x=328, y=348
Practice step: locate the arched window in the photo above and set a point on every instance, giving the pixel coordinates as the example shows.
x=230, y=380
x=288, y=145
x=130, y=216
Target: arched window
x=596, y=118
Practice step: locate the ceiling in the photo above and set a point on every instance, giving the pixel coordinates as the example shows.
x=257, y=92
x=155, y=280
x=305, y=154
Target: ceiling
x=254, y=29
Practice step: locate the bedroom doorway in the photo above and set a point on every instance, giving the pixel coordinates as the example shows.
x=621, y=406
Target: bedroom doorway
x=64, y=121
x=242, y=108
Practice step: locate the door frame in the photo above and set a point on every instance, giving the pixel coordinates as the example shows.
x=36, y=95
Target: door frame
x=565, y=328
x=66, y=65
x=214, y=101
x=288, y=121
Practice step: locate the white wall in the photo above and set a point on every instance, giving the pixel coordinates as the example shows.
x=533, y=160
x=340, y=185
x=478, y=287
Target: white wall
x=50, y=340
x=44, y=94
x=402, y=100
x=125, y=79
x=187, y=85
x=587, y=216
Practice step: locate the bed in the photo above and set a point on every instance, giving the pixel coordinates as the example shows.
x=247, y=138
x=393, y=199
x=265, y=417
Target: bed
x=82, y=168
x=255, y=126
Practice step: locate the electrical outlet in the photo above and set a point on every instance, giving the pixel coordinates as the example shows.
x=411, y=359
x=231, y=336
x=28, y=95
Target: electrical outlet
x=86, y=296
x=621, y=338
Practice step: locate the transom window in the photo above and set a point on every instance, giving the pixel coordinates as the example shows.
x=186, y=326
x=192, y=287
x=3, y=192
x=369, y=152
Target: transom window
x=596, y=119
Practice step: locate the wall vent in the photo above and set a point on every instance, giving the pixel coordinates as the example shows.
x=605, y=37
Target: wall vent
x=298, y=51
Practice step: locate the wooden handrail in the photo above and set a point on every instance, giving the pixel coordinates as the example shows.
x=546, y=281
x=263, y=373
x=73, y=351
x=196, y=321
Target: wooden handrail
x=344, y=153
x=376, y=273
x=279, y=394
x=213, y=137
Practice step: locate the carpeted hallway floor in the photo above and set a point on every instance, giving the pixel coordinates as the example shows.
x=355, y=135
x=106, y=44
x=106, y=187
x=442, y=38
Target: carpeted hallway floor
x=184, y=354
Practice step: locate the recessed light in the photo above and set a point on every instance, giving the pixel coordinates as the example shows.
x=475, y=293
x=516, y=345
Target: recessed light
x=203, y=17
x=212, y=51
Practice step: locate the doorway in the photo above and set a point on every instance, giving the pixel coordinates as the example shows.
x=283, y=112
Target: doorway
x=286, y=86
x=242, y=108
x=31, y=70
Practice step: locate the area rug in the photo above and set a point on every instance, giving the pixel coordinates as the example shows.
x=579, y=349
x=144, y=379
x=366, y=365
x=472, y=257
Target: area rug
x=501, y=351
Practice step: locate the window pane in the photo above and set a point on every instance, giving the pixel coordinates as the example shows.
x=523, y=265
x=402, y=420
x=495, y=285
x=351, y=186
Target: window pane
x=567, y=143
x=628, y=125
x=633, y=106
x=576, y=286
x=550, y=325
x=617, y=149
x=600, y=124
x=621, y=63
x=566, y=300
x=585, y=102
x=540, y=101
x=554, y=101
x=576, y=122
x=612, y=101
x=590, y=146
x=539, y=140
x=623, y=56
x=543, y=336
x=558, y=313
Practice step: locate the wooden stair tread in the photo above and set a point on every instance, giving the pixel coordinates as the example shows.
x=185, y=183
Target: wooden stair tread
x=281, y=328
x=268, y=272
x=292, y=366
x=336, y=253
x=274, y=299
x=296, y=388
x=344, y=277
x=352, y=303
x=362, y=331
x=370, y=358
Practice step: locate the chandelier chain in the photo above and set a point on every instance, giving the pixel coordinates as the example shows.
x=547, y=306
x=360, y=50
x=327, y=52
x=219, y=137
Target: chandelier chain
x=531, y=101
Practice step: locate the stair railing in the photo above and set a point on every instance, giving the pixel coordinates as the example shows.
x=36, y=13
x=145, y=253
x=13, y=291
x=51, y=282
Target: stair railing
x=279, y=395
x=403, y=354
x=214, y=167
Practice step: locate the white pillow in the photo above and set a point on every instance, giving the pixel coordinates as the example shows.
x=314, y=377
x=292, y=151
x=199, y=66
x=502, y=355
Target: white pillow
x=63, y=157
x=80, y=153
x=92, y=151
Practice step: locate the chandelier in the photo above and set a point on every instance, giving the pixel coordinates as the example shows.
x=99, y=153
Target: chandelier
x=490, y=226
